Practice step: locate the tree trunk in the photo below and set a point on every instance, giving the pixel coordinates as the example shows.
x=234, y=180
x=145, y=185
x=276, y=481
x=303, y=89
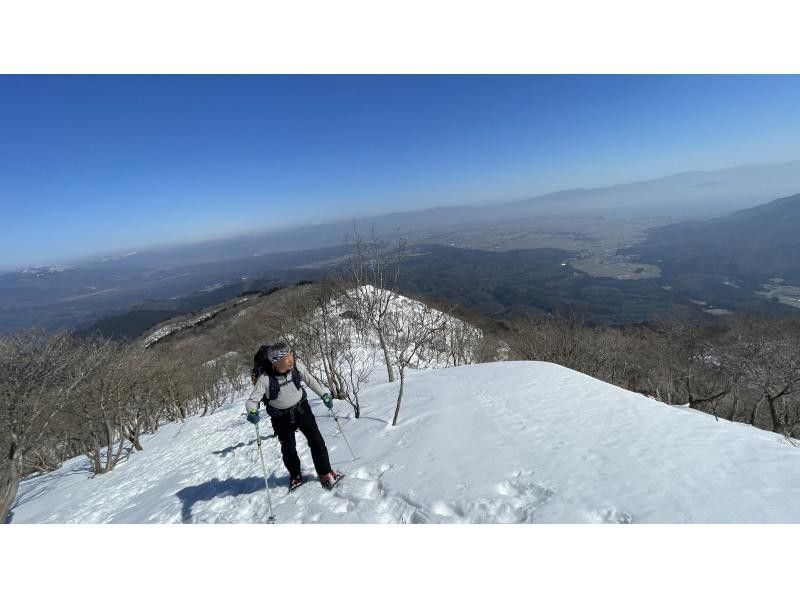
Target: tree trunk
x=95, y=456
x=754, y=412
x=735, y=406
x=777, y=423
x=399, y=397
x=109, y=447
x=133, y=437
x=93, y=452
x=120, y=448
x=389, y=369
x=9, y=484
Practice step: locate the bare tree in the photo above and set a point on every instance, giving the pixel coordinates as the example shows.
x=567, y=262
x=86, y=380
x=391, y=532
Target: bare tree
x=557, y=340
x=38, y=377
x=328, y=340
x=149, y=387
x=411, y=330
x=235, y=372
x=702, y=374
x=210, y=386
x=99, y=405
x=767, y=353
x=374, y=274
x=358, y=366
x=175, y=383
x=463, y=342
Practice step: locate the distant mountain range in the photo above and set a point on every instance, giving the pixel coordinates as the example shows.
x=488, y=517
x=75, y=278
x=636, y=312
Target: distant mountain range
x=680, y=197
x=55, y=298
x=759, y=241
x=756, y=243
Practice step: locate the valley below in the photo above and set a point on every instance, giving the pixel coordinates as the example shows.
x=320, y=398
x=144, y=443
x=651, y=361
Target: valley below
x=611, y=271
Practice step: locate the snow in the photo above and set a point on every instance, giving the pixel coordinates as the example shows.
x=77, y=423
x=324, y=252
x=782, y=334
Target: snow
x=504, y=442
x=43, y=270
x=404, y=311
x=114, y=258
x=227, y=357
x=165, y=331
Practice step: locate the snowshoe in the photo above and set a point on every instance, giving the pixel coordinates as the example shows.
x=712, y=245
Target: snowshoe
x=295, y=483
x=331, y=479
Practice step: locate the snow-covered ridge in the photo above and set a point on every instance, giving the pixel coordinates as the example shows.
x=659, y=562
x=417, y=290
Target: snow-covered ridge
x=506, y=442
x=165, y=331
x=114, y=258
x=402, y=312
x=44, y=270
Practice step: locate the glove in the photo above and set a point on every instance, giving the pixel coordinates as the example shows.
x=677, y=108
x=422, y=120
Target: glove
x=253, y=417
x=327, y=401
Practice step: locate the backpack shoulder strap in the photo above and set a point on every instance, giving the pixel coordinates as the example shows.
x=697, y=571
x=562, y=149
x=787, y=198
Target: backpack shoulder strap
x=275, y=386
x=296, y=378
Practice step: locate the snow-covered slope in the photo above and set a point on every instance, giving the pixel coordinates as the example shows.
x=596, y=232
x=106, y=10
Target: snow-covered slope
x=501, y=442
x=172, y=328
x=455, y=346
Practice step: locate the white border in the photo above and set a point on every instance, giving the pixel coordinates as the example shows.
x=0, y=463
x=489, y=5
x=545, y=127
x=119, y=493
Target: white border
x=396, y=560
x=414, y=36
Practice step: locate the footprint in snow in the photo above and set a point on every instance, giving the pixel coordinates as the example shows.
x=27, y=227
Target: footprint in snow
x=445, y=509
x=610, y=515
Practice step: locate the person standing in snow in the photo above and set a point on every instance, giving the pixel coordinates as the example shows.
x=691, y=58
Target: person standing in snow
x=279, y=385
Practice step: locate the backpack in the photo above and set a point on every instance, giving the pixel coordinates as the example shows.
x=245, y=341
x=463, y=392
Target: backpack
x=263, y=366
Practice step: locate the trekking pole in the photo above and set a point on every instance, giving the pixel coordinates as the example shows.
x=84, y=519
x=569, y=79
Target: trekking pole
x=336, y=419
x=271, y=518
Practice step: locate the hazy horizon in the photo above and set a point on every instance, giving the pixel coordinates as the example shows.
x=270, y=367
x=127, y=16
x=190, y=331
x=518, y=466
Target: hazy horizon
x=70, y=260
x=96, y=165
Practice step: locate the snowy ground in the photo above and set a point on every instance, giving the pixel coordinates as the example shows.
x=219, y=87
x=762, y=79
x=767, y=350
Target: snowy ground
x=507, y=442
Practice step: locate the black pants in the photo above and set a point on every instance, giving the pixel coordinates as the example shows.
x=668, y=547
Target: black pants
x=301, y=418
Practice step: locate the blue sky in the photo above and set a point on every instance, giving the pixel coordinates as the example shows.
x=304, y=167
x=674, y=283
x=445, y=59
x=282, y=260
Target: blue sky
x=103, y=163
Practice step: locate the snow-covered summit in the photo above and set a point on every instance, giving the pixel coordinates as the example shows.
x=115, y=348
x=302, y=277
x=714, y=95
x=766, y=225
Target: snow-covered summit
x=514, y=442
x=456, y=344
x=45, y=270
x=115, y=258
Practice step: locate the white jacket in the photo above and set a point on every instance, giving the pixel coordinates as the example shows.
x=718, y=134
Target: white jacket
x=289, y=394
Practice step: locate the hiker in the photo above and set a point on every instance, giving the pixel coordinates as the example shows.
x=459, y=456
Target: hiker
x=277, y=377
